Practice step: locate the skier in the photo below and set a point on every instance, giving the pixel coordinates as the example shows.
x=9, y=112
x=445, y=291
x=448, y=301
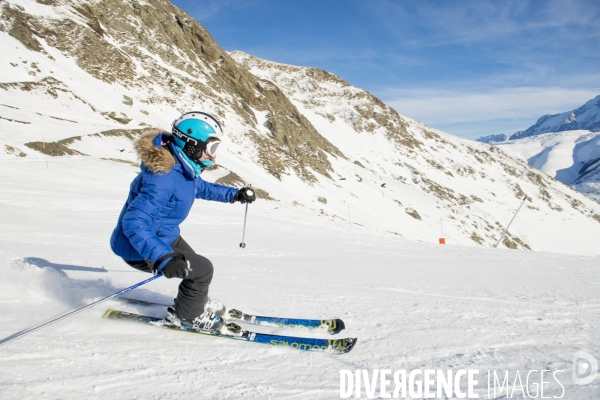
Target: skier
x=147, y=234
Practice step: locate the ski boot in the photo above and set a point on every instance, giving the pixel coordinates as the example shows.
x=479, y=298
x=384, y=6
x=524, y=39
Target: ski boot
x=212, y=305
x=215, y=306
x=208, y=321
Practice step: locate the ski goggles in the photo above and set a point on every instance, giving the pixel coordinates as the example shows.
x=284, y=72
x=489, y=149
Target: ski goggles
x=212, y=144
x=193, y=148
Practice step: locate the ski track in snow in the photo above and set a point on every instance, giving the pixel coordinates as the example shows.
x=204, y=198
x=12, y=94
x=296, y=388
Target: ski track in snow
x=411, y=304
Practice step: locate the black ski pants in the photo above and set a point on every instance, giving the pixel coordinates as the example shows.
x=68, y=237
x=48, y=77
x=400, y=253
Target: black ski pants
x=193, y=290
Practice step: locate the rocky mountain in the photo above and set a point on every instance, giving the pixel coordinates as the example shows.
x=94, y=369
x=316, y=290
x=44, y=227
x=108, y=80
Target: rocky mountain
x=586, y=117
x=82, y=78
x=166, y=60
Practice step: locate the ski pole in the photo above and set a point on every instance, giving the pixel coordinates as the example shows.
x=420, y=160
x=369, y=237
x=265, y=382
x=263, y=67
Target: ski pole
x=243, y=244
x=28, y=331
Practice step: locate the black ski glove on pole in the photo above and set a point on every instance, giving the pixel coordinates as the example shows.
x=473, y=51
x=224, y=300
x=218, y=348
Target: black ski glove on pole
x=176, y=267
x=244, y=195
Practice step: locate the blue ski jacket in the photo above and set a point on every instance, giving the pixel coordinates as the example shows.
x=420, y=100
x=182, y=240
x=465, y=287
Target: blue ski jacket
x=160, y=198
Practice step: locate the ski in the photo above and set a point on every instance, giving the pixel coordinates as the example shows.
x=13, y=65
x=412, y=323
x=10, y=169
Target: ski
x=333, y=326
x=236, y=332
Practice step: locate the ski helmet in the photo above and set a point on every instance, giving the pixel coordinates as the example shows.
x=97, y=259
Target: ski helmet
x=195, y=132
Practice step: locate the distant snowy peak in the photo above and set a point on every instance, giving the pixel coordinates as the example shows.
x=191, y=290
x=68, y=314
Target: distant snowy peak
x=572, y=157
x=565, y=146
x=586, y=117
x=493, y=139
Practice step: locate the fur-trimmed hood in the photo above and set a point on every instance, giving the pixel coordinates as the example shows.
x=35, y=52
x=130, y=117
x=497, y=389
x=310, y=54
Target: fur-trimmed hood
x=156, y=157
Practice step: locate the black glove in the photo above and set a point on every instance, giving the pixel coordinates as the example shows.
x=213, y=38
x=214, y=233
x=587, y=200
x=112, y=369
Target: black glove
x=176, y=267
x=244, y=195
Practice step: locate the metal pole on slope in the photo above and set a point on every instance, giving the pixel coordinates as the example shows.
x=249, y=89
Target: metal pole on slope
x=28, y=331
x=511, y=221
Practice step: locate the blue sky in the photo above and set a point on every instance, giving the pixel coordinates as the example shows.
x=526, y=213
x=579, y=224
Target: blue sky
x=469, y=68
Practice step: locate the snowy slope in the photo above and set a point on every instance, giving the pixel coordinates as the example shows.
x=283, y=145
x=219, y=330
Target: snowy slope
x=572, y=157
x=586, y=117
x=361, y=162
x=412, y=305
x=325, y=247
x=463, y=183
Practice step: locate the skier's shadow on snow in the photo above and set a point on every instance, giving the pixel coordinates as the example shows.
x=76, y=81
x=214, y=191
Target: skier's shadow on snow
x=60, y=268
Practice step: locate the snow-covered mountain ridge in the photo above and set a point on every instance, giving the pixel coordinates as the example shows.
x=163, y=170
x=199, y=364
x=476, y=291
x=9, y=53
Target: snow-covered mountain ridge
x=586, y=117
x=76, y=73
x=565, y=146
x=572, y=157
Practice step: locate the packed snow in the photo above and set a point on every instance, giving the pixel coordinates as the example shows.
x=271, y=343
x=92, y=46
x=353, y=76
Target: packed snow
x=412, y=305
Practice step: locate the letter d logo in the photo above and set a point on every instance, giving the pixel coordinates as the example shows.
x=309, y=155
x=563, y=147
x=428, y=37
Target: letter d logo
x=584, y=369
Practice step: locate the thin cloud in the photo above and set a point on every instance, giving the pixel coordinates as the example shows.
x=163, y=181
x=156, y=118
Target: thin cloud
x=443, y=23
x=435, y=107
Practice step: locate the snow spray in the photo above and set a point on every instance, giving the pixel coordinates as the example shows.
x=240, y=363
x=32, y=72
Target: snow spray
x=28, y=331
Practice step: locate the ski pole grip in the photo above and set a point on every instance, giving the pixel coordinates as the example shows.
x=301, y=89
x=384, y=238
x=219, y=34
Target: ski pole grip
x=165, y=257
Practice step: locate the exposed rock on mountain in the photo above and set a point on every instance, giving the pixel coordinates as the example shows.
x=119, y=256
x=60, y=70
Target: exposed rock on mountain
x=330, y=97
x=309, y=139
x=434, y=162
x=153, y=44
